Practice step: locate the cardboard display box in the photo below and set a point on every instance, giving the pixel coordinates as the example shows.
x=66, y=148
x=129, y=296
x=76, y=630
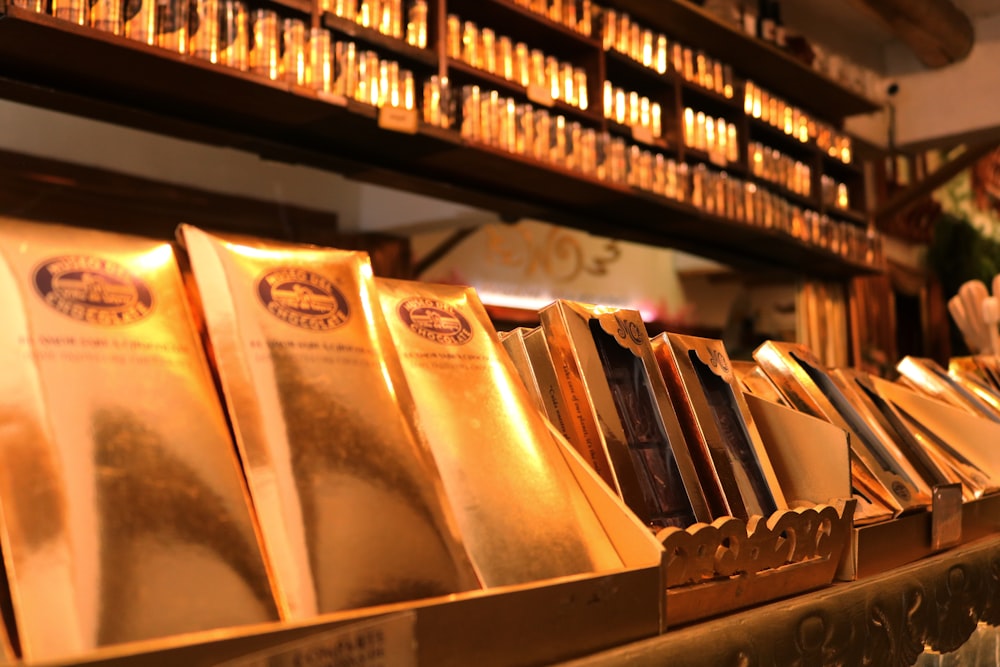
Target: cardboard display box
x=542, y=622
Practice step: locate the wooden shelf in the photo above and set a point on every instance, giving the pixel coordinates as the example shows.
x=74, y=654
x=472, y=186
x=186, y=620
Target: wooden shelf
x=694, y=155
x=759, y=61
x=937, y=603
x=710, y=101
x=301, y=6
x=786, y=144
x=839, y=170
x=384, y=44
x=850, y=215
x=624, y=72
x=657, y=144
x=80, y=71
x=801, y=201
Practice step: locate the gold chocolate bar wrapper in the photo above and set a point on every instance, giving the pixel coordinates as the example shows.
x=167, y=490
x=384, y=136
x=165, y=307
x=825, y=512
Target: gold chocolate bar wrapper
x=522, y=514
x=926, y=376
x=616, y=412
x=756, y=382
x=124, y=512
x=808, y=387
x=514, y=345
x=706, y=393
x=349, y=501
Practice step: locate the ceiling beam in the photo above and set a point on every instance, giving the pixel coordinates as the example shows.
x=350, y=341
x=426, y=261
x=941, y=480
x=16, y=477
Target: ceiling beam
x=937, y=31
x=900, y=202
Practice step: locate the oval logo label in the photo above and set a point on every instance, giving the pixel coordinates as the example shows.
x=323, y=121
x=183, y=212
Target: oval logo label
x=303, y=299
x=93, y=290
x=435, y=320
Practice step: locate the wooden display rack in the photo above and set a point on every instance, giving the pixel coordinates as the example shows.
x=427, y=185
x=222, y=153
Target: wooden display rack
x=731, y=564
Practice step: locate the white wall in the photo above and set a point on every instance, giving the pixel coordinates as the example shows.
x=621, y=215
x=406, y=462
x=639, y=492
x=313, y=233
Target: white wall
x=953, y=100
x=361, y=207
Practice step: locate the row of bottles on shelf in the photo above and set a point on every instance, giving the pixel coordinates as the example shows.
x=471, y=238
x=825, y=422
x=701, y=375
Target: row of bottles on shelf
x=516, y=62
x=577, y=15
x=486, y=117
x=718, y=193
x=774, y=166
x=284, y=49
x=229, y=33
x=834, y=193
x=653, y=50
x=388, y=17
x=793, y=121
x=715, y=136
x=226, y=32
x=758, y=18
x=643, y=116
x=363, y=76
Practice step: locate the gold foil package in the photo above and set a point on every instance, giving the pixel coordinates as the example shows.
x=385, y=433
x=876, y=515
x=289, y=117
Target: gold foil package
x=125, y=516
x=926, y=376
x=934, y=462
x=808, y=388
x=348, y=496
x=612, y=405
x=734, y=467
x=521, y=512
x=514, y=344
x=756, y=382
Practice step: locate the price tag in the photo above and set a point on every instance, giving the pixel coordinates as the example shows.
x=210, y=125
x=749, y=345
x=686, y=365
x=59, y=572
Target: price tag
x=398, y=119
x=332, y=98
x=540, y=94
x=718, y=158
x=387, y=641
x=643, y=135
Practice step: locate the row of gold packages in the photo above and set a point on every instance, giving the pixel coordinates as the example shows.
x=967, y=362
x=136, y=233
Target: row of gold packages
x=661, y=420
x=665, y=421
x=385, y=449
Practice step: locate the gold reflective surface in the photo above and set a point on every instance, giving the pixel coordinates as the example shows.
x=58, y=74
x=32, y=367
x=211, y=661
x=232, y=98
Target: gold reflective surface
x=808, y=387
x=513, y=344
x=705, y=390
x=349, y=502
x=926, y=376
x=124, y=512
x=756, y=382
x=521, y=512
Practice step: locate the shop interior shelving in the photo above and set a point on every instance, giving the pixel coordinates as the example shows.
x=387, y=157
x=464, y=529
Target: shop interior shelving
x=55, y=64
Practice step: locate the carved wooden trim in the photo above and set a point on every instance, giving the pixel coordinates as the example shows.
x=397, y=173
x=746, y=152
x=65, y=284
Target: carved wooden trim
x=889, y=619
x=731, y=564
